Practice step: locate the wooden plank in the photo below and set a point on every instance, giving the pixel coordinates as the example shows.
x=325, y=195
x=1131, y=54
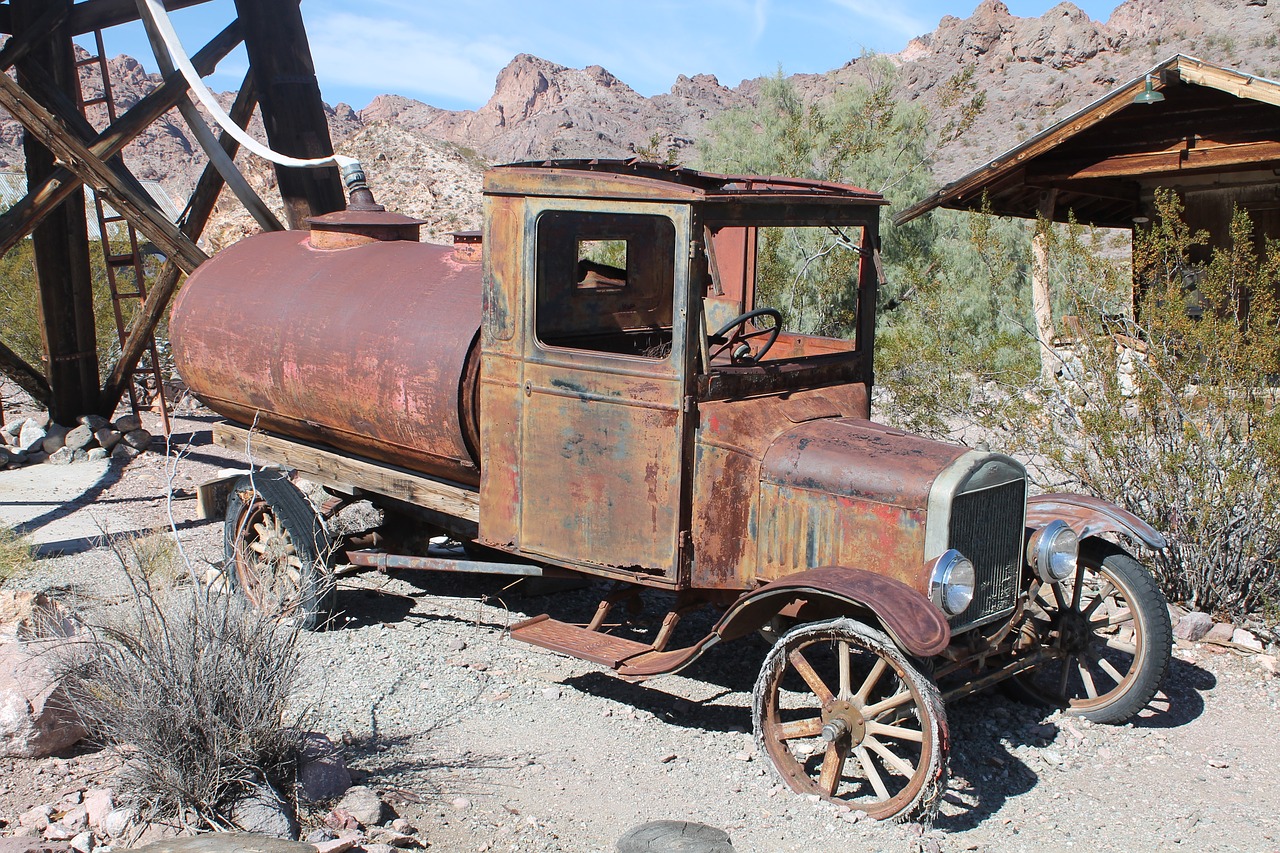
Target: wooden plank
x=292, y=111
x=42, y=199
x=25, y=376
x=199, y=209
x=90, y=15
x=54, y=123
x=346, y=472
x=1231, y=82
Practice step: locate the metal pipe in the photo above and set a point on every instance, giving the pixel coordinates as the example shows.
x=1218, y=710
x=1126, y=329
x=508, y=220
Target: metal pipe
x=383, y=561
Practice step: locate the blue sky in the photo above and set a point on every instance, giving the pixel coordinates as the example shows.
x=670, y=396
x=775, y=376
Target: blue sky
x=449, y=53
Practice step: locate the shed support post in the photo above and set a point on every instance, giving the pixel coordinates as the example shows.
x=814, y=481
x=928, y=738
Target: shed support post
x=1041, y=295
x=292, y=111
x=61, y=242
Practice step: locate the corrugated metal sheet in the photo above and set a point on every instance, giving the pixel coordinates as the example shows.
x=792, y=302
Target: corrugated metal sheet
x=13, y=186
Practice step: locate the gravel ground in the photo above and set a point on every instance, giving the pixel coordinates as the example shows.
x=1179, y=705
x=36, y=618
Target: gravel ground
x=486, y=744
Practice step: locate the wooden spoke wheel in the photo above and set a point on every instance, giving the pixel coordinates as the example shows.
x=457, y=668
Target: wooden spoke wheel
x=276, y=548
x=1109, y=629
x=842, y=713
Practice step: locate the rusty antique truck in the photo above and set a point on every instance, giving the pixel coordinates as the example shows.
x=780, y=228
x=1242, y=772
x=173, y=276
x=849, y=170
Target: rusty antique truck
x=597, y=386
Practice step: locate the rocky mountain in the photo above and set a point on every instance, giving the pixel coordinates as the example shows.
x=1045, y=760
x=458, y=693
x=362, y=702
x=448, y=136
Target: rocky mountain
x=427, y=161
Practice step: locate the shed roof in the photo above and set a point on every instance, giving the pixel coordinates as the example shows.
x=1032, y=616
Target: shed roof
x=1212, y=120
x=13, y=186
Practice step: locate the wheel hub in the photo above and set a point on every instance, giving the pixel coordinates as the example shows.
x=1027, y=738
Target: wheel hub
x=1074, y=631
x=841, y=719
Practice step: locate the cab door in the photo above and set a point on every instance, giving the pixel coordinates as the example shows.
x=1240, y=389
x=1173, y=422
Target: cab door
x=603, y=429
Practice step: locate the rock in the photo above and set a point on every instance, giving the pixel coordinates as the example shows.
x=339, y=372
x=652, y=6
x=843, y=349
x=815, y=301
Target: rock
x=363, y=804
x=40, y=419
x=98, y=803
x=1193, y=626
x=1221, y=632
x=62, y=456
x=93, y=422
x=322, y=774
x=401, y=825
x=55, y=437
x=675, y=835
x=460, y=803
x=31, y=438
x=78, y=438
x=1244, y=638
x=118, y=821
x=83, y=843
x=263, y=811
x=81, y=455
x=378, y=848
x=1269, y=664
x=58, y=832
x=107, y=437
x=35, y=715
x=138, y=439
x=36, y=818
x=37, y=457
x=12, y=428
x=128, y=423
x=96, y=454
x=76, y=819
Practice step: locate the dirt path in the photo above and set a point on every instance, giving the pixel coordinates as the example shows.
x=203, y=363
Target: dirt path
x=486, y=744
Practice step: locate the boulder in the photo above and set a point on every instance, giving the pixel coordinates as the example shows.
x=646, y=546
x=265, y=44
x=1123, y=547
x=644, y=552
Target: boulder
x=363, y=804
x=118, y=821
x=107, y=437
x=94, y=422
x=31, y=437
x=55, y=437
x=62, y=456
x=322, y=774
x=98, y=803
x=128, y=423
x=36, y=717
x=96, y=453
x=78, y=438
x=263, y=811
x=1193, y=626
x=138, y=439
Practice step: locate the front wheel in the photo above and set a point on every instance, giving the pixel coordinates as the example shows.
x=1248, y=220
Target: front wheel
x=1109, y=630
x=842, y=713
x=277, y=549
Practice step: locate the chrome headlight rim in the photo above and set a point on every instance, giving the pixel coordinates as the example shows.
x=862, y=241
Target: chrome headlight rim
x=952, y=583
x=1054, y=551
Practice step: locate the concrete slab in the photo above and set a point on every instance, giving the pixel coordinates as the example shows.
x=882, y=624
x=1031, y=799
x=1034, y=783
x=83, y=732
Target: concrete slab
x=51, y=504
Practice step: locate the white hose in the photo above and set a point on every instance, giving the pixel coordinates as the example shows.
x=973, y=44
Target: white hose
x=159, y=18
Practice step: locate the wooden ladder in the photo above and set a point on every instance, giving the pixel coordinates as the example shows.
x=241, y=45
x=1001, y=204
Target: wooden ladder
x=126, y=272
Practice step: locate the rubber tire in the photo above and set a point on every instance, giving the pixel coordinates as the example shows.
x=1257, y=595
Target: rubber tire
x=1150, y=610
x=306, y=530
x=923, y=806
x=675, y=836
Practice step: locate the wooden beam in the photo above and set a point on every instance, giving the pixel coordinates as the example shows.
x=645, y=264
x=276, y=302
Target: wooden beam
x=1041, y=294
x=25, y=376
x=61, y=129
x=292, y=111
x=345, y=472
x=1232, y=82
x=34, y=35
x=1201, y=157
x=91, y=15
x=40, y=200
x=61, y=244
x=199, y=209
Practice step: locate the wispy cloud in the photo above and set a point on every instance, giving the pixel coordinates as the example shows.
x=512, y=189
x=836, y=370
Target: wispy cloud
x=394, y=54
x=761, y=20
x=887, y=16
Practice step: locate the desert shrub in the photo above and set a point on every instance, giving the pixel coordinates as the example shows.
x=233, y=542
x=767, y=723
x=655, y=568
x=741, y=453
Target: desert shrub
x=15, y=554
x=192, y=689
x=1170, y=410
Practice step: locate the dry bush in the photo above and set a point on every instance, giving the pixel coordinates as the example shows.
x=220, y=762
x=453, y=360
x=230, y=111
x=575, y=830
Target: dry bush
x=15, y=554
x=192, y=689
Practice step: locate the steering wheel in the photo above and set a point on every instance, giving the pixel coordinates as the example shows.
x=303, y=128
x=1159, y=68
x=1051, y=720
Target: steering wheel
x=734, y=336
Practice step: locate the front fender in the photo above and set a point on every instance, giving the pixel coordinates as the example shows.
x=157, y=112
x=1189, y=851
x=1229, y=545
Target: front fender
x=1089, y=516
x=909, y=617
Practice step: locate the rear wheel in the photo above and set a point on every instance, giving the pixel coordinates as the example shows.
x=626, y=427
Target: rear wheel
x=1109, y=629
x=842, y=713
x=276, y=549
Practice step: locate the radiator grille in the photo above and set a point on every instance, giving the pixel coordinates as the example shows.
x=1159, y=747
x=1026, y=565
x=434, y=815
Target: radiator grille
x=987, y=527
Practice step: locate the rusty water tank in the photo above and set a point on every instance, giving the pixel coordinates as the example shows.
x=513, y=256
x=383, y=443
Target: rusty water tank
x=353, y=335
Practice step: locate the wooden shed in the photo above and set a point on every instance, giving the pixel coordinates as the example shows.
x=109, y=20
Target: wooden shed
x=1209, y=132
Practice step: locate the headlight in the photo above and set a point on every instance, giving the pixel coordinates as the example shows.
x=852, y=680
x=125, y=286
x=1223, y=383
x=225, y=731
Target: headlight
x=951, y=584
x=1053, y=551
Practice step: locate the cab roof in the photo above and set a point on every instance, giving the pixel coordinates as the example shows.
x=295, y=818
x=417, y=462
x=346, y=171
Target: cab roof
x=639, y=180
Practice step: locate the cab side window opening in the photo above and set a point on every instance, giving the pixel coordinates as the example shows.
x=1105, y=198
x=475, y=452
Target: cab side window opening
x=605, y=282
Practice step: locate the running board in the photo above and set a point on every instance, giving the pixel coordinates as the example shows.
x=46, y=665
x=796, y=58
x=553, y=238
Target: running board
x=578, y=641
